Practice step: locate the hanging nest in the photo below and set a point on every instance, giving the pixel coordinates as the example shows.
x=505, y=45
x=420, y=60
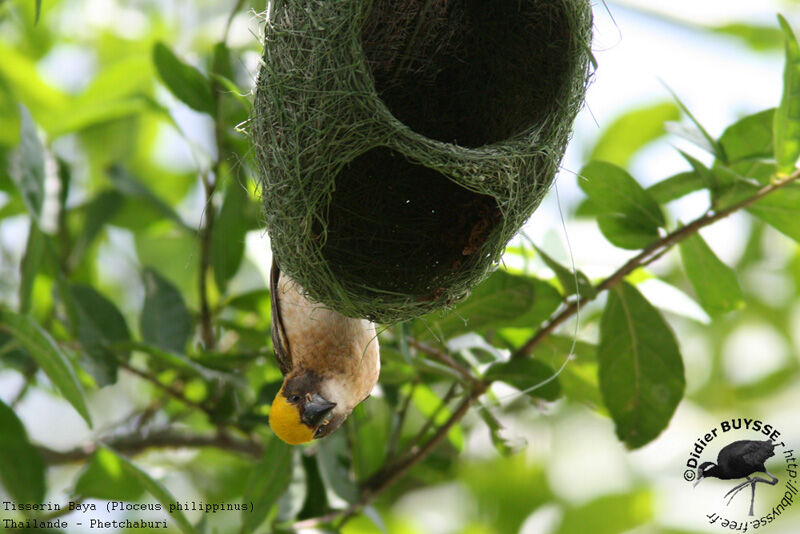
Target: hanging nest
x=403, y=143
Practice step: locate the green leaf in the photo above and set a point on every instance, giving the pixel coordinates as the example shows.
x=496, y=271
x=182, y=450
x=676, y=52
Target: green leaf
x=499, y=434
x=106, y=477
x=641, y=371
x=230, y=229
x=368, y=433
x=22, y=470
x=525, y=373
x=609, y=514
x=99, y=325
x=165, y=321
x=714, y=282
x=504, y=299
x=706, y=138
x=184, y=81
x=676, y=186
x=578, y=380
x=573, y=283
x=131, y=187
x=291, y=502
x=787, y=116
x=333, y=469
x=624, y=233
x=98, y=212
x=749, y=138
x=630, y=132
x=269, y=479
x=757, y=37
x=629, y=216
x=616, y=192
x=31, y=264
x=780, y=210
x=155, y=489
x=27, y=165
x=48, y=356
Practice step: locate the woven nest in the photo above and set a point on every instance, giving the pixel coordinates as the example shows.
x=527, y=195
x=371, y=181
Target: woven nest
x=403, y=143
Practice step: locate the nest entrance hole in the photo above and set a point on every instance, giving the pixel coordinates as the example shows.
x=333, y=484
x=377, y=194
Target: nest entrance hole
x=469, y=72
x=399, y=227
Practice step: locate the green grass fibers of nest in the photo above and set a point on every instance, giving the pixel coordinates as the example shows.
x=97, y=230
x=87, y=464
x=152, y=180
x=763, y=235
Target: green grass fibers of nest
x=402, y=143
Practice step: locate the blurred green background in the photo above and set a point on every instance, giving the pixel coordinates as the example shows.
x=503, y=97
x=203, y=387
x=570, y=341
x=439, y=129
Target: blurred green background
x=131, y=116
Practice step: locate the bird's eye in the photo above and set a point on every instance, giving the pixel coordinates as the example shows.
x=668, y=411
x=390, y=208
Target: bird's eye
x=294, y=399
x=319, y=431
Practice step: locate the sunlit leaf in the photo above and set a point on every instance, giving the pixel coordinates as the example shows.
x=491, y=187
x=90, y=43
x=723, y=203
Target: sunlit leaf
x=291, y=502
x=157, y=490
x=625, y=233
x=630, y=217
x=503, y=299
x=165, y=321
x=572, y=282
x=503, y=443
x=47, y=354
x=31, y=264
x=184, y=81
x=757, y=37
x=609, y=514
x=22, y=470
x=535, y=378
x=676, y=186
x=27, y=165
x=787, y=116
x=714, y=147
x=779, y=209
x=627, y=134
x=715, y=283
x=641, y=370
x=106, y=477
x=269, y=479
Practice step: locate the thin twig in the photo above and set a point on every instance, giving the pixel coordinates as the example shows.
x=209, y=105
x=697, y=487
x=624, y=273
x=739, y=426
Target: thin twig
x=397, y=431
x=444, y=358
x=136, y=443
x=647, y=256
x=171, y=391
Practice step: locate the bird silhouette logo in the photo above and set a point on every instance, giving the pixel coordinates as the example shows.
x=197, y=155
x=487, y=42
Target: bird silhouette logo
x=740, y=459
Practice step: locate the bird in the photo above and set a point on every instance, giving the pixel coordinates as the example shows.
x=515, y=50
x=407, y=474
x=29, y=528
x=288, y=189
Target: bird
x=740, y=459
x=330, y=363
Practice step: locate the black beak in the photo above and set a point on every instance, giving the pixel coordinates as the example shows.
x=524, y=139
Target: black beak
x=317, y=410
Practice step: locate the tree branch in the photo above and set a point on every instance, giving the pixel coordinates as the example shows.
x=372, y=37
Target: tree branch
x=647, y=256
x=134, y=444
x=384, y=478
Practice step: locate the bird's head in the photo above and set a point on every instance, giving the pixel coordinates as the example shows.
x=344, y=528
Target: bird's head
x=301, y=413
x=706, y=469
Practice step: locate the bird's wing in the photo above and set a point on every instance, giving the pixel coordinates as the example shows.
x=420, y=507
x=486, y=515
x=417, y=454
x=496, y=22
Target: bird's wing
x=280, y=341
x=758, y=453
x=745, y=454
